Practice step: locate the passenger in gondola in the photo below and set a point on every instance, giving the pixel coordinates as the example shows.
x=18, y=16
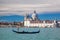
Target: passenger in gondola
x=23, y=31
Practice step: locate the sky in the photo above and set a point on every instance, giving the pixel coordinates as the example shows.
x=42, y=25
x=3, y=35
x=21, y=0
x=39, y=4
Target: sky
x=18, y=18
x=49, y=8
x=23, y=7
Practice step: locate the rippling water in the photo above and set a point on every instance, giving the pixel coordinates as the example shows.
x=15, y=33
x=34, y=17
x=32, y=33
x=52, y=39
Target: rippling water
x=45, y=34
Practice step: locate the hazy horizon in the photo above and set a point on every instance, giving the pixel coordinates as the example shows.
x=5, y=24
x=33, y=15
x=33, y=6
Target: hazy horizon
x=41, y=16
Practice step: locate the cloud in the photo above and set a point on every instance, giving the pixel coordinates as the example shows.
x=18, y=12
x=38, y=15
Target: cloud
x=29, y=1
x=22, y=7
x=27, y=9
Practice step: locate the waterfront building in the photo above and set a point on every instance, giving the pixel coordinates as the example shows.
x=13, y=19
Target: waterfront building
x=34, y=22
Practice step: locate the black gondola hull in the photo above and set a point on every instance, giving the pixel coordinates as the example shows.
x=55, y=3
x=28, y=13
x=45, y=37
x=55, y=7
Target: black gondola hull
x=25, y=32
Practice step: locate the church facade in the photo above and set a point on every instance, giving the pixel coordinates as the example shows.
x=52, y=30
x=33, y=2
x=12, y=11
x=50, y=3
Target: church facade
x=34, y=22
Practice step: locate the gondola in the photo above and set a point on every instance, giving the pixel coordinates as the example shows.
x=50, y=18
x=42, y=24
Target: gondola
x=24, y=32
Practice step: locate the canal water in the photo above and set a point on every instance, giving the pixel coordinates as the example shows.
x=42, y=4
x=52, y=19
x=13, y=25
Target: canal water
x=45, y=34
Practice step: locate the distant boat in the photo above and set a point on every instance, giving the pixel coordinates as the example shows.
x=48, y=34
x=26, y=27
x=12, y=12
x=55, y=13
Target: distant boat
x=24, y=32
